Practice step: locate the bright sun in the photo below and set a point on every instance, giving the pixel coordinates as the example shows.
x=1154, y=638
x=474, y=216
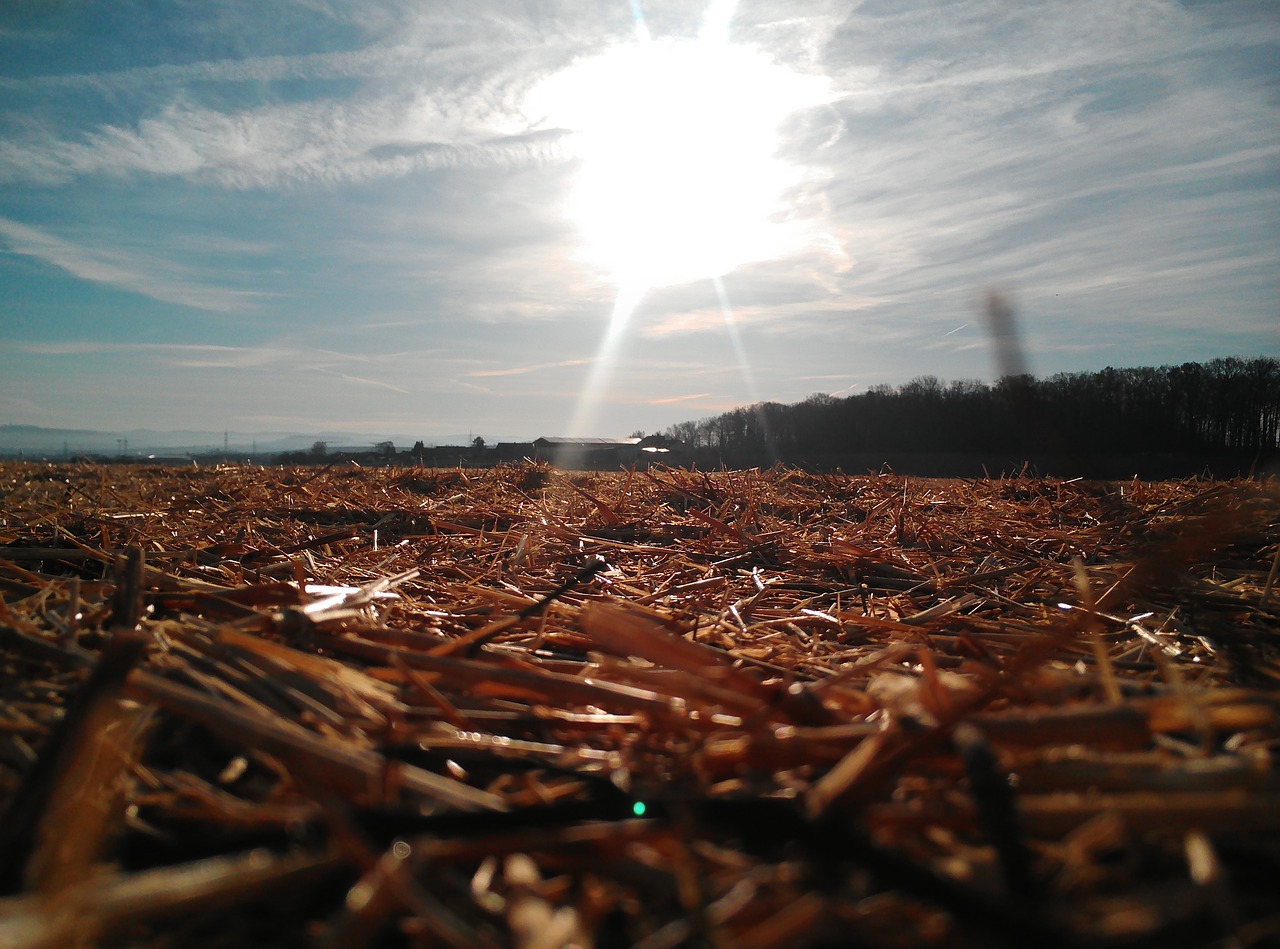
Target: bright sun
x=680, y=177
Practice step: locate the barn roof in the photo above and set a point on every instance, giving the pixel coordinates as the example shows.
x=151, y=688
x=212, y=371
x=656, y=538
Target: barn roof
x=559, y=441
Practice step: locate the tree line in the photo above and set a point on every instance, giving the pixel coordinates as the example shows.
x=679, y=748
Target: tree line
x=1228, y=406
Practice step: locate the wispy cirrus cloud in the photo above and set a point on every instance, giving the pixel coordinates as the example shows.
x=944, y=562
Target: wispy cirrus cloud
x=524, y=370
x=361, y=380
x=368, y=62
x=150, y=276
x=414, y=107
x=1099, y=159
x=185, y=355
x=61, y=348
x=681, y=398
x=275, y=357
x=324, y=142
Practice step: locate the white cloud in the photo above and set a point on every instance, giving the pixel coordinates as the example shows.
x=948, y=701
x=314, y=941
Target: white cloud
x=361, y=63
x=327, y=141
x=977, y=154
x=148, y=275
x=415, y=107
x=187, y=355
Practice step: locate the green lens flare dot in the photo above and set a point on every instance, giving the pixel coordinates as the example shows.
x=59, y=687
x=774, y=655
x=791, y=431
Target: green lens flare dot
x=638, y=808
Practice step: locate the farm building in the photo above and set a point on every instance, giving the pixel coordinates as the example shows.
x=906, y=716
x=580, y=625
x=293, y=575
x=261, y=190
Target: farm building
x=608, y=453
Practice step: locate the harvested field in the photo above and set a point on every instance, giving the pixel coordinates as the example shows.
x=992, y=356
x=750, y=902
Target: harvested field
x=523, y=707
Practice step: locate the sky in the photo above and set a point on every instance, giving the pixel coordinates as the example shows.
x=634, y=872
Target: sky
x=548, y=217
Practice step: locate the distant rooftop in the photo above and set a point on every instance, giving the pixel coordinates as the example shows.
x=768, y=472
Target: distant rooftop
x=556, y=440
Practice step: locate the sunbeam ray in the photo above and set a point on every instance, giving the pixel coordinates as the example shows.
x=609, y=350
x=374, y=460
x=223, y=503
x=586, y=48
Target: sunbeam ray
x=587, y=410
x=744, y=366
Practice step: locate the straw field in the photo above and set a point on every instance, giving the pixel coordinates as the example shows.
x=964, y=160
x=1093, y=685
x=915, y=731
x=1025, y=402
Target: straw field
x=336, y=707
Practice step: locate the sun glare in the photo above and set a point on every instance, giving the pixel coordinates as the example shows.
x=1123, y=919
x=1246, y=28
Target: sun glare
x=680, y=178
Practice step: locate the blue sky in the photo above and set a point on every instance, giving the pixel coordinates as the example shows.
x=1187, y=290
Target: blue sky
x=550, y=217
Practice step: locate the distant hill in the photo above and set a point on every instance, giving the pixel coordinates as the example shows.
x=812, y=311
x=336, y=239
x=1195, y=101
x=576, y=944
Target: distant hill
x=140, y=442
